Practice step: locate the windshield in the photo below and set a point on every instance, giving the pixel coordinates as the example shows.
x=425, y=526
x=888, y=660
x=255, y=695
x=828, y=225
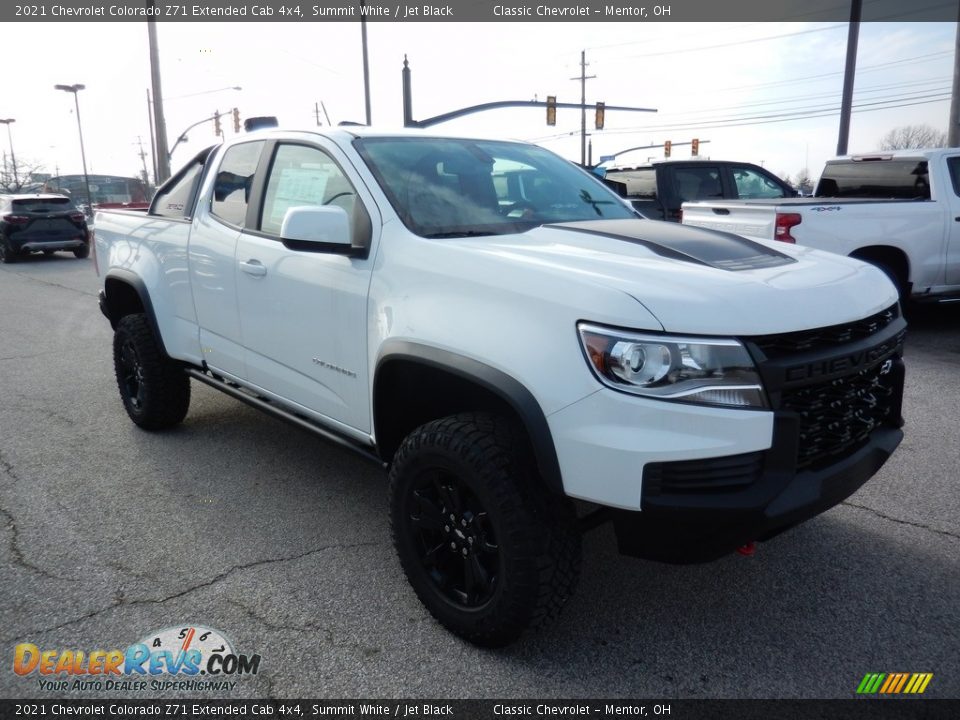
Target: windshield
x=457, y=188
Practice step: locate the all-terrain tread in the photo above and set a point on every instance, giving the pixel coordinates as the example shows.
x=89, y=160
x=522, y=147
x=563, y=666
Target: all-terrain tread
x=542, y=525
x=167, y=397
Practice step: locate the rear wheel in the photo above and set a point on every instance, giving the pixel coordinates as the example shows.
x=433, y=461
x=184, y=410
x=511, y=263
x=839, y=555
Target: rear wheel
x=82, y=252
x=488, y=550
x=154, y=389
x=7, y=253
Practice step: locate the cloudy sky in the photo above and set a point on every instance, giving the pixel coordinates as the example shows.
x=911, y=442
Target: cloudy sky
x=768, y=93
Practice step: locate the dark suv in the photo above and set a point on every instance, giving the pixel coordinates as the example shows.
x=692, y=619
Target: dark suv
x=658, y=189
x=41, y=222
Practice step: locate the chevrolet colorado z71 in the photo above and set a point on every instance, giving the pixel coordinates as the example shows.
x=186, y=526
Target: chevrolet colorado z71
x=498, y=329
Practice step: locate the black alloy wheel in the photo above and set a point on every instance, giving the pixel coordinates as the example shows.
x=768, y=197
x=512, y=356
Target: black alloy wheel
x=457, y=544
x=130, y=374
x=154, y=389
x=489, y=550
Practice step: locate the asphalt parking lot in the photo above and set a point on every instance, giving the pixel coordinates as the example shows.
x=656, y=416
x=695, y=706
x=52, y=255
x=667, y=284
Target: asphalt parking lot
x=240, y=523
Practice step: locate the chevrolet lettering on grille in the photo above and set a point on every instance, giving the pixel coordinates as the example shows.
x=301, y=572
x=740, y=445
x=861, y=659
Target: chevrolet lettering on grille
x=842, y=364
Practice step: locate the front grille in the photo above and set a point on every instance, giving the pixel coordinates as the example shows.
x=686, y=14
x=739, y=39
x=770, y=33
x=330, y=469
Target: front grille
x=777, y=346
x=712, y=475
x=837, y=416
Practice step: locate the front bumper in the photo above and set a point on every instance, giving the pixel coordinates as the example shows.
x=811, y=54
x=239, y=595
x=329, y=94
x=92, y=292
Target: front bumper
x=688, y=483
x=703, y=527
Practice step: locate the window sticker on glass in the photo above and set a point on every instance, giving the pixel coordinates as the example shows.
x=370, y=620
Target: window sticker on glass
x=298, y=186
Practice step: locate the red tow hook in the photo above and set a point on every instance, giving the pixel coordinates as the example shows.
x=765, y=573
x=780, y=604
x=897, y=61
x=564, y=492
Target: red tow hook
x=749, y=549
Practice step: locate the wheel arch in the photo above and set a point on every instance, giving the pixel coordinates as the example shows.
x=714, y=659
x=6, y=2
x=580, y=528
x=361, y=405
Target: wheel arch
x=125, y=293
x=892, y=258
x=415, y=383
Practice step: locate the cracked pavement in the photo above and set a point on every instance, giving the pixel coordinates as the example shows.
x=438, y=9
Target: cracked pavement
x=238, y=522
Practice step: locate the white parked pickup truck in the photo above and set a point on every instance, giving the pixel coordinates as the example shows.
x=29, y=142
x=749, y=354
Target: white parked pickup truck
x=497, y=329
x=898, y=210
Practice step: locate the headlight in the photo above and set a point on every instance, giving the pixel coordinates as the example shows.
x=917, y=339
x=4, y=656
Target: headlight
x=707, y=371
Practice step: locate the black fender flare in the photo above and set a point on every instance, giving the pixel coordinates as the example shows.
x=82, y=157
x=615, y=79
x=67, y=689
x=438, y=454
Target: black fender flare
x=498, y=383
x=133, y=280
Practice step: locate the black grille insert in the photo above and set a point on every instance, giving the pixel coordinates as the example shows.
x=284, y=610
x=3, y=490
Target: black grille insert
x=837, y=416
x=777, y=346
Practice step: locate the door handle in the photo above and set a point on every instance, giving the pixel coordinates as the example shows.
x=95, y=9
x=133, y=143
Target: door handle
x=253, y=267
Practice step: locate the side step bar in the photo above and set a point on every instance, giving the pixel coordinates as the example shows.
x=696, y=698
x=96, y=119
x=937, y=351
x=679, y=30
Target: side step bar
x=279, y=412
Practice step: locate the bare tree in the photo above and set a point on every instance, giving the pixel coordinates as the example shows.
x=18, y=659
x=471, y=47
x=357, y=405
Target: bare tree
x=23, y=179
x=803, y=183
x=913, y=136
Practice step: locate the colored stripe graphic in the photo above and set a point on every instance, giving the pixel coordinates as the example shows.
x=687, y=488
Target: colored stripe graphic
x=894, y=683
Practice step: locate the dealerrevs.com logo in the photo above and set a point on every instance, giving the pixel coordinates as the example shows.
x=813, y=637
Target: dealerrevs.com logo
x=189, y=658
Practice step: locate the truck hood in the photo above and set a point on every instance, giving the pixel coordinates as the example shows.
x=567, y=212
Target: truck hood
x=701, y=281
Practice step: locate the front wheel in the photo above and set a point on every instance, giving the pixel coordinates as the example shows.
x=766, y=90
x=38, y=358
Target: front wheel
x=154, y=389
x=488, y=549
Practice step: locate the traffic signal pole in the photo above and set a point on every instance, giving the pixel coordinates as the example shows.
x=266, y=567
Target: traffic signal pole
x=408, y=120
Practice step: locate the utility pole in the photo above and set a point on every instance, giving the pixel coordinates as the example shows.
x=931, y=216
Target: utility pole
x=162, y=154
x=849, y=73
x=953, y=128
x=143, y=159
x=153, y=141
x=366, y=64
x=583, y=105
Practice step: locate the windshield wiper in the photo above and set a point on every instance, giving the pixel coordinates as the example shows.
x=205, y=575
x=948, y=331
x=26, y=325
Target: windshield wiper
x=595, y=204
x=459, y=234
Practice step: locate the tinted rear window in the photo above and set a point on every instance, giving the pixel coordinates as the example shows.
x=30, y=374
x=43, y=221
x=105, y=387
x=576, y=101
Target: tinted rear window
x=44, y=205
x=640, y=183
x=898, y=179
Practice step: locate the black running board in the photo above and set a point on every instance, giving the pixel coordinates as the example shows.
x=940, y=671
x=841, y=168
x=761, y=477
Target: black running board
x=276, y=411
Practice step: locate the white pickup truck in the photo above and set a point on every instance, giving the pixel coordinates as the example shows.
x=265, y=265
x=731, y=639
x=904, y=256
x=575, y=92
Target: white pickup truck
x=497, y=329
x=898, y=210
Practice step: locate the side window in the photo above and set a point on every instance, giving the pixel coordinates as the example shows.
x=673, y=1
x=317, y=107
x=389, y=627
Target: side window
x=953, y=164
x=302, y=175
x=751, y=184
x=698, y=183
x=176, y=201
x=231, y=187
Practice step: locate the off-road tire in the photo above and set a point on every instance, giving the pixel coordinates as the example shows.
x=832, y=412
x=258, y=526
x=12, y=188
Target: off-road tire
x=525, y=538
x=154, y=389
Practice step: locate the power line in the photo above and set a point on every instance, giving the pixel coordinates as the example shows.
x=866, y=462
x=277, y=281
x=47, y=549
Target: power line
x=786, y=117
x=759, y=120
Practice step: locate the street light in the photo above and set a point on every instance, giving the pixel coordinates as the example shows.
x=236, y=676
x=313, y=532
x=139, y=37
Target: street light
x=13, y=159
x=83, y=155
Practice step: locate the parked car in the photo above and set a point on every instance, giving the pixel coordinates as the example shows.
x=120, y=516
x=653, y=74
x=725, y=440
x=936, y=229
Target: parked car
x=658, y=189
x=41, y=223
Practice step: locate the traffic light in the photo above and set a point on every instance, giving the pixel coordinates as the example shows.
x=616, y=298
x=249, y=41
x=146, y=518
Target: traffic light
x=236, y=121
x=217, y=130
x=695, y=147
x=667, y=145
x=551, y=109
x=598, y=120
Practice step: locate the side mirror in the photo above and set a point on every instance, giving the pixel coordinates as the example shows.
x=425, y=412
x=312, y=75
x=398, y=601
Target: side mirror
x=317, y=229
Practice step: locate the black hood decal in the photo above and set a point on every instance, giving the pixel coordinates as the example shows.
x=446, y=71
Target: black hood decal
x=721, y=250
